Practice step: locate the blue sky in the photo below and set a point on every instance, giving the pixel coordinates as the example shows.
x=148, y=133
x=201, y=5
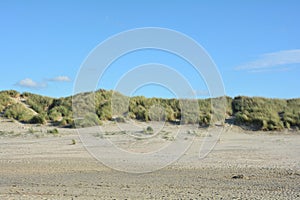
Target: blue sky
x=255, y=44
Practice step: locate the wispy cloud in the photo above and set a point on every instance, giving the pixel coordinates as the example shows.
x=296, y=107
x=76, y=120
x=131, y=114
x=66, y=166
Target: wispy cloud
x=60, y=79
x=29, y=83
x=267, y=62
x=283, y=69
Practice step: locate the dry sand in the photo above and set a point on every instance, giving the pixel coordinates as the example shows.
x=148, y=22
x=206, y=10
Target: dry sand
x=243, y=165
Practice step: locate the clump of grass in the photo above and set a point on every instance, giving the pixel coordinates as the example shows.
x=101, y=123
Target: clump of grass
x=148, y=131
x=3, y=133
x=196, y=133
x=264, y=114
x=37, y=102
x=18, y=112
x=38, y=135
x=99, y=135
x=32, y=130
x=90, y=119
x=167, y=136
x=120, y=119
x=16, y=134
x=4, y=101
x=115, y=132
x=53, y=131
x=73, y=142
x=67, y=122
x=111, y=132
x=38, y=119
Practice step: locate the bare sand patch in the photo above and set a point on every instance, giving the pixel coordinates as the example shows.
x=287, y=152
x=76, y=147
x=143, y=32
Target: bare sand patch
x=242, y=165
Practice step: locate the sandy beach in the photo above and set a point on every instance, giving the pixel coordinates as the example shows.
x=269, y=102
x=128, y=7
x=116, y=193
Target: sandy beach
x=243, y=165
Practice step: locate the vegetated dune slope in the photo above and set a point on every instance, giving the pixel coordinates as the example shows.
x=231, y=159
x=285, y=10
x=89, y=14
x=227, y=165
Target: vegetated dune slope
x=255, y=113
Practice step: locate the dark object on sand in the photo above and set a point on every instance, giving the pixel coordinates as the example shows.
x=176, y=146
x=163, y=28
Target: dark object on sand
x=239, y=176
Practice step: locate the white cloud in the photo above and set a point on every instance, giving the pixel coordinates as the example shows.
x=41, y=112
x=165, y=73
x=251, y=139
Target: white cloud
x=29, y=83
x=271, y=60
x=283, y=69
x=60, y=79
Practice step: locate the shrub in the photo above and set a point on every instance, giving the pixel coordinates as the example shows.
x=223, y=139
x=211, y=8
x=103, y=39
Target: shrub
x=53, y=131
x=67, y=122
x=148, y=130
x=90, y=119
x=104, y=111
x=120, y=119
x=204, y=119
x=170, y=114
x=261, y=113
x=62, y=110
x=5, y=100
x=140, y=113
x=18, y=112
x=10, y=93
x=54, y=115
x=38, y=119
x=131, y=115
x=37, y=102
x=157, y=113
x=189, y=112
x=31, y=130
x=73, y=142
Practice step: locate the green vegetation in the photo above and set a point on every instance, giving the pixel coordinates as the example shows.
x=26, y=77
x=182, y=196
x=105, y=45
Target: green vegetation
x=53, y=131
x=3, y=133
x=32, y=130
x=38, y=103
x=60, y=111
x=73, y=142
x=90, y=119
x=120, y=119
x=18, y=112
x=92, y=108
x=5, y=100
x=38, y=119
x=148, y=131
x=167, y=136
x=66, y=122
x=266, y=114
